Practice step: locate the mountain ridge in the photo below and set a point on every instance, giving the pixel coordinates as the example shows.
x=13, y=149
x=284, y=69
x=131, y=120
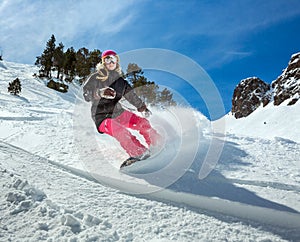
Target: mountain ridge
x=253, y=92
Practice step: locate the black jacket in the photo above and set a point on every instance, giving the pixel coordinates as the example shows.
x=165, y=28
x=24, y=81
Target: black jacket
x=108, y=108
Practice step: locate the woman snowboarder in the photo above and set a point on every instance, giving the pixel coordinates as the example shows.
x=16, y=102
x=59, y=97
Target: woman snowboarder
x=104, y=89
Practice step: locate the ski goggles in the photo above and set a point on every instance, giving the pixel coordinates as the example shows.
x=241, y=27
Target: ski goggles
x=110, y=59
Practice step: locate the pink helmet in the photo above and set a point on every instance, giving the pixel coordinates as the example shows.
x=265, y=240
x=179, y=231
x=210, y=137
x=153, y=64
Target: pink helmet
x=107, y=53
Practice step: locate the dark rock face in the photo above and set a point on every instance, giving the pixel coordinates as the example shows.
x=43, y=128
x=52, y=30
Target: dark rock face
x=249, y=94
x=60, y=87
x=287, y=85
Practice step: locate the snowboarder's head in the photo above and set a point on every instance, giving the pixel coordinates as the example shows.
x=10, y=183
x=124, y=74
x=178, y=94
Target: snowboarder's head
x=108, y=53
x=110, y=63
x=110, y=59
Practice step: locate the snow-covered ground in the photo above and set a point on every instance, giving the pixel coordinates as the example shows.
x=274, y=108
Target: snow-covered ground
x=270, y=122
x=60, y=179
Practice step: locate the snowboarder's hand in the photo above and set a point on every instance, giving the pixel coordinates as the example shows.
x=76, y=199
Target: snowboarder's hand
x=107, y=93
x=142, y=108
x=145, y=111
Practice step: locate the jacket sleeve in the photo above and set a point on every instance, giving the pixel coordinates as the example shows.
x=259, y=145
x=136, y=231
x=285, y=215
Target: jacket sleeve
x=89, y=88
x=131, y=96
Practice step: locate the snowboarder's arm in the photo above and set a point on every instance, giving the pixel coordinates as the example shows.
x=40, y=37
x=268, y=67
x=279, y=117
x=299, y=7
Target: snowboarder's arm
x=131, y=96
x=89, y=89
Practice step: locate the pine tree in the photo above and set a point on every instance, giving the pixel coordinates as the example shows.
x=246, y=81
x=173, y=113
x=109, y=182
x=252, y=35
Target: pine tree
x=58, y=60
x=82, y=63
x=14, y=87
x=70, y=64
x=166, y=98
x=148, y=90
x=45, y=61
x=139, y=82
x=94, y=58
x=133, y=70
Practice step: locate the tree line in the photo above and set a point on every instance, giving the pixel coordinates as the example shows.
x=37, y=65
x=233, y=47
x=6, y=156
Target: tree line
x=67, y=64
x=148, y=90
x=71, y=63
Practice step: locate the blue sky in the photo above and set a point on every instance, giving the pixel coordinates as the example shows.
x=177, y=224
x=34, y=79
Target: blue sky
x=231, y=40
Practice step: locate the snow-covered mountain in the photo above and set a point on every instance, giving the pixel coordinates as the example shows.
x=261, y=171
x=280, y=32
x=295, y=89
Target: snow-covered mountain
x=271, y=111
x=287, y=85
x=60, y=179
x=252, y=92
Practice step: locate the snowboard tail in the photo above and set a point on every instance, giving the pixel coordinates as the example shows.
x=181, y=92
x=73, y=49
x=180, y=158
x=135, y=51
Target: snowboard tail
x=132, y=160
x=129, y=161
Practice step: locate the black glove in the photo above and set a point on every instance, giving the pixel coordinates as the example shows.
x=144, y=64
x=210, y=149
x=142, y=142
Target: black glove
x=142, y=108
x=145, y=111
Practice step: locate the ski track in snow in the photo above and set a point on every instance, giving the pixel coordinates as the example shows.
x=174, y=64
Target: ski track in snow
x=74, y=207
x=259, y=172
x=65, y=205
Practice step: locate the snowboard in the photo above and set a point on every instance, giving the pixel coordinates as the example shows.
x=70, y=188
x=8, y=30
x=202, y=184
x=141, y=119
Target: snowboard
x=132, y=160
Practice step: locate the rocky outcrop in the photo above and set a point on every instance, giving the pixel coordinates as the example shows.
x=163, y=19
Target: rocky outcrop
x=249, y=94
x=287, y=85
x=252, y=92
x=58, y=86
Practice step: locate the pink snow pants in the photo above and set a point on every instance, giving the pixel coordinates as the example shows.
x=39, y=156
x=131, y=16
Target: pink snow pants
x=118, y=128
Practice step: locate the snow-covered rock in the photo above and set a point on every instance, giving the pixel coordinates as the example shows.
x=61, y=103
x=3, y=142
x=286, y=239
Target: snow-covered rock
x=287, y=85
x=248, y=95
x=252, y=92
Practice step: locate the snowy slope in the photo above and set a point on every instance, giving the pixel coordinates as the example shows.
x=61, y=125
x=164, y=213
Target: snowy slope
x=53, y=165
x=27, y=121
x=71, y=207
x=268, y=122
